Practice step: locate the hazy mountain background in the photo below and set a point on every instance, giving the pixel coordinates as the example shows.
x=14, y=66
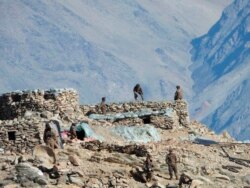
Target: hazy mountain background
x=221, y=72
x=105, y=47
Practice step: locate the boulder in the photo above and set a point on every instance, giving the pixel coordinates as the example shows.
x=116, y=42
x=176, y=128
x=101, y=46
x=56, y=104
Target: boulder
x=26, y=171
x=196, y=184
x=45, y=155
x=74, y=160
x=246, y=179
x=77, y=181
x=223, y=177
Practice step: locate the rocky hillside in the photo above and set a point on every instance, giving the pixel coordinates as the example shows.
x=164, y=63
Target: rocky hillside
x=124, y=136
x=223, y=56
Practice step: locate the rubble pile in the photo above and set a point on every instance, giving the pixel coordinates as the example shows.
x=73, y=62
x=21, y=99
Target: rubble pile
x=138, y=150
x=164, y=122
x=116, y=179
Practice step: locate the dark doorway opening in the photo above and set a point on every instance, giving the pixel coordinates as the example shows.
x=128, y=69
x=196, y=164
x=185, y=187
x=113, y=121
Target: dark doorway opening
x=80, y=134
x=48, y=96
x=146, y=120
x=12, y=135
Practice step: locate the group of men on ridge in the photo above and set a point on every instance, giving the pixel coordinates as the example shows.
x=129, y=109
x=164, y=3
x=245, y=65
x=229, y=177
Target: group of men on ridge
x=138, y=92
x=50, y=138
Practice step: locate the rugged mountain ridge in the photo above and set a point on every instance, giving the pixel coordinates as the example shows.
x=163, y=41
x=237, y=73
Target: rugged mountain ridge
x=101, y=48
x=223, y=57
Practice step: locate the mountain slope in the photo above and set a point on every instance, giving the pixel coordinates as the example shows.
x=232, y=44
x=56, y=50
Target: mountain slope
x=223, y=55
x=101, y=48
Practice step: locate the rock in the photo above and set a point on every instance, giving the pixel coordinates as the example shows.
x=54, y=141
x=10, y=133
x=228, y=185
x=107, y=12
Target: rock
x=28, y=113
x=1, y=150
x=105, y=181
x=226, y=135
x=77, y=181
x=4, y=166
x=45, y=155
x=25, y=170
x=26, y=183
x=41, y=181
x=78, y=172
x=5, y=182
x=46, y=114
x=205, y=180
x=246, y=179
x=11, y=186
x=74, y=160
x=196, y=183
x=223, y=177
x=158, y=185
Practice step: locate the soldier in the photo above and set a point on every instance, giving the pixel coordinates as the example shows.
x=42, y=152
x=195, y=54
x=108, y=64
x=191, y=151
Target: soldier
x=72, y=131
x=103, y=106
x=185, y=179
x=50, y=137
x=171, y=160
x=178, y=94
x=148, y=168
x=138, y=91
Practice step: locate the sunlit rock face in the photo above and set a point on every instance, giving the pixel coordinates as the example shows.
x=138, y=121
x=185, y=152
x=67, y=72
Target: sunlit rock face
x=221, y=72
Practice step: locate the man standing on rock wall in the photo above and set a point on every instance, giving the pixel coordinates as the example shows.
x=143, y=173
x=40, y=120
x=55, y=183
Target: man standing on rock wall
x=138, y=91
x=171, y=160
x=178, y=94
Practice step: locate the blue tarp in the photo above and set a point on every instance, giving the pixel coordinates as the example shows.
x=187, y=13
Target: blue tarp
x=56, y=124
x=143, y=134
x=82, y=126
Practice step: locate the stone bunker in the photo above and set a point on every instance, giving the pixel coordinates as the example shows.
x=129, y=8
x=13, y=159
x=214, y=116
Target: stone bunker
x=23, y=115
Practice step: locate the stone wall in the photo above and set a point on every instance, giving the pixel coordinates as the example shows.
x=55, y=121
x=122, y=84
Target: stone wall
x=180, y=108
x=15, y=104
x=23, y=115
x=19, y=137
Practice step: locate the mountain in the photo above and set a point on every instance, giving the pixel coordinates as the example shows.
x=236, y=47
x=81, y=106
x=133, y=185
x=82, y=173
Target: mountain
x=102, y=48
x=221, y=72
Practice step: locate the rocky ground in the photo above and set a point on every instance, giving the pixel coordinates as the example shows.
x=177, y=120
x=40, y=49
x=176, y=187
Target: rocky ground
x=99, y=164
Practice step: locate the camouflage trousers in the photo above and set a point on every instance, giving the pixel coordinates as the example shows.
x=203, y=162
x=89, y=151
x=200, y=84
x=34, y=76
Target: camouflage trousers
x=172, y=168
x=51, y=143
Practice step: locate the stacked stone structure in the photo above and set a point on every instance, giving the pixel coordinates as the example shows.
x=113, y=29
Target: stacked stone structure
x=15, y=104
x=23, y=115
x=180, y=115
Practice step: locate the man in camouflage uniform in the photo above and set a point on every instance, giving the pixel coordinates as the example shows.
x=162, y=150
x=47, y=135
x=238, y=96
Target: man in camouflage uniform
x=178, y=94
x=185, y=179
x=148, y=168
x=171, y=160
x=50, y=137
x=103, y=106
x=138, y=91
x=72, y=131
